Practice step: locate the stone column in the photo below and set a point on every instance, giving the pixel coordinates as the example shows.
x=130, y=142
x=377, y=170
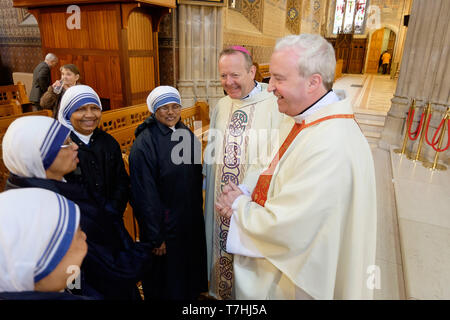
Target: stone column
x=424, y=74
x=200, y=42
x=400, y=40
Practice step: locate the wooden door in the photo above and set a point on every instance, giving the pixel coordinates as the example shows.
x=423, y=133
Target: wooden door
x=357, y=55
x=343, y=48
x=375, y=51
x=390, y=48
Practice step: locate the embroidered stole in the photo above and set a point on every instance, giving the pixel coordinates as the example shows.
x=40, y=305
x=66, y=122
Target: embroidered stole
x=233, y=168
x=259, y=194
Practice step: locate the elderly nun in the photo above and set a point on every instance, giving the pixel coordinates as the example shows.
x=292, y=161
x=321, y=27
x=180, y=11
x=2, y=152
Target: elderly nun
x=39, y=152
x=41, y=245
x=101, y=169
x=166, y=186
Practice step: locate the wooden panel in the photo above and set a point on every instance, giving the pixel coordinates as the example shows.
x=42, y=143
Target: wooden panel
x=343, y=49
x=79, y=38
x=118, y=62
x=140, y=31
x=142, y=52
x=116, y=97
x=102, y=26
x=98, y=26
x=46, y=29
x=373, y=58
x=142, y=74
x=35, y=3
x=338, y=71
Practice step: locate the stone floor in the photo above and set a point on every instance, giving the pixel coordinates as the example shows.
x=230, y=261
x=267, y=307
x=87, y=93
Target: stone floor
x=413, y=235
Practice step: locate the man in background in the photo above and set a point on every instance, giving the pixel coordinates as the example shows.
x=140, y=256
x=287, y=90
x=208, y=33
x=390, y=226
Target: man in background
x=41, y=79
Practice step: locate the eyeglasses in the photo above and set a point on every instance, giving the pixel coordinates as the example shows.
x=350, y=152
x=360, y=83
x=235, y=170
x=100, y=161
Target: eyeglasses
x=68, y=144
x=175, y=108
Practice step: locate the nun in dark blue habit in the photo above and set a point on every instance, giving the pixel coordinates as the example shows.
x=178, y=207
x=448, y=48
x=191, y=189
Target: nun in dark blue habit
x=38, y=152
x=166, y=187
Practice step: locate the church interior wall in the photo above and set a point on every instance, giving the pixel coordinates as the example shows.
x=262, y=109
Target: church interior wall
x=20, y=44
x=255, y=25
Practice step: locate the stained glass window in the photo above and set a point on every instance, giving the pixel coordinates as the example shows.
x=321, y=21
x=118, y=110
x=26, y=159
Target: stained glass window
x=338, y=16
x=349, y=16
x=359, y=17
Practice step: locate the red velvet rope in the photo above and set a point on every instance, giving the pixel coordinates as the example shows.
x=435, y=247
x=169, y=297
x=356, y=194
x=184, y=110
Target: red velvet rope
x=435, y=141
x=410, y=119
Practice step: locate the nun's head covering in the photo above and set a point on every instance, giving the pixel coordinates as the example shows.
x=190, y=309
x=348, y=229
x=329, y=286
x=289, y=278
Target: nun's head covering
x=73, y=99
x=37, y=227
x=31, y=144
x=161, y=96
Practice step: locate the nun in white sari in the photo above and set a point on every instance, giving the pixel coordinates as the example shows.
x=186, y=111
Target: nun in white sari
x=101, y=169
x=38, y=152
x=40, y=239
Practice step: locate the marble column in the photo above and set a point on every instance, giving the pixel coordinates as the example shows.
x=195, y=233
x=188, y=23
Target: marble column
x=200, y=42
x=424, y=74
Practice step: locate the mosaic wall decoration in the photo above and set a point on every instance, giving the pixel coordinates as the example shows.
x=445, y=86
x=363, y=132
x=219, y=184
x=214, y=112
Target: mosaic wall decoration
x=253, y=10
x=10, y=19
x=293, y=11
x=20, y=46
x=316, y=16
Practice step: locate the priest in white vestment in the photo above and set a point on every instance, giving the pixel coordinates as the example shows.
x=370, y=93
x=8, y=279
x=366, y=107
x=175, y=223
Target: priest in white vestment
x=307, y=230
x=244, y=132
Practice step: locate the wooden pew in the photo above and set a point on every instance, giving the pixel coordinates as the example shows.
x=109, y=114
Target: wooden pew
x=10, y=108
x=123, y=117
x=6, y=121
x=16, y=91
x=121, y=123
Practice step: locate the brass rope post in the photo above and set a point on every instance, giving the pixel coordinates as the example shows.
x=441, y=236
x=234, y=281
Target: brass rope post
x=409, y=119
x=434, y=165
x=422, y=133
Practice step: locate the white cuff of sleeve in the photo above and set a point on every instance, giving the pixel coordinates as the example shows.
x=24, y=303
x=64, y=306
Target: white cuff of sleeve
x=238, y=242
x=244, y=189
x=245, y=193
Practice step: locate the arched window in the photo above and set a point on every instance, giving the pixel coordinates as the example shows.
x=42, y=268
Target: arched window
x=349, y=16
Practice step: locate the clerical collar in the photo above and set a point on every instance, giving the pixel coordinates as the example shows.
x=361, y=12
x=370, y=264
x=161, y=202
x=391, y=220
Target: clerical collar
x=257, y=89
x=328, y=98
x=83, y=137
